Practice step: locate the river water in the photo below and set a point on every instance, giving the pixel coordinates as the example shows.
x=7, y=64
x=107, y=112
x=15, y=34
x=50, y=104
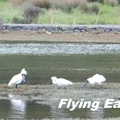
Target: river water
x=73, y=61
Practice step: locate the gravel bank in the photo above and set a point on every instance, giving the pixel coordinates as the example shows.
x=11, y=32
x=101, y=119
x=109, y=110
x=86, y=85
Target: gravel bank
x=61, y=33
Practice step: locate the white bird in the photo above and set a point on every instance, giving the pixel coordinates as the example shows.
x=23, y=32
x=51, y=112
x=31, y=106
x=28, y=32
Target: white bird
x=17, y=79
x=61, y=81
x=99, y=79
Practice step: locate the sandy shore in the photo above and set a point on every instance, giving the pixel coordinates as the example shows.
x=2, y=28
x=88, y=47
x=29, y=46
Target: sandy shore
x=111, y=37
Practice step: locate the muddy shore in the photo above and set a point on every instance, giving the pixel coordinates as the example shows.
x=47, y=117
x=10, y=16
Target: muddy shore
x=45, y=93
x=32, y=36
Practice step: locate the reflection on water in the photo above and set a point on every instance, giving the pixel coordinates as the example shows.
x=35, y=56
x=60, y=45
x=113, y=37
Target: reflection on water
x=57, y=113
x=96, y=114
x=22, y=109
x=59, y=48
x=18, y=107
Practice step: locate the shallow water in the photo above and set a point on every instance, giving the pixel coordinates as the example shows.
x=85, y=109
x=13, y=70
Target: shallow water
x=73, y=61
x=20, y=109
x=58, y=48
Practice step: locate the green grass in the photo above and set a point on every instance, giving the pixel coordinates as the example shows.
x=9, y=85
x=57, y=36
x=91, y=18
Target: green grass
x=107, y=15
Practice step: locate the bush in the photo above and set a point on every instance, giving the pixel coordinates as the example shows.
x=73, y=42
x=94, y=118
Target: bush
x=90, y=8
x=68, y=5
x=85, y=8
x=118, y=1
x=31, y=12
x=18, y=20
x=1, y=24
x=4, y=0
x=111, y=2
x=101, y=1
x=41, y=3
x=94, y=8
x=16, y=2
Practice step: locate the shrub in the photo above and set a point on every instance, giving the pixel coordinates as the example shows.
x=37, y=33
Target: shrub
x=111, y=2
x=16, y=2
x=18, y=20
x=4, y=0
x=101, y=1
x=118, y=1
x=94, y=8
x=68, y=5
x=1, y=24
x=92, y=0
x=90, y=8
x=31, y=12
x=41, y=3
x=85, y=8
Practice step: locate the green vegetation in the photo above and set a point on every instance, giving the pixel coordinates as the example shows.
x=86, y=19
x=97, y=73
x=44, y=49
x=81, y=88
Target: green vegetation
x=60, y=12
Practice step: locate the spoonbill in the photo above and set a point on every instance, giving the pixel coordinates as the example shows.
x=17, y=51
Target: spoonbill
x=61, y=81
x=99, y=79
x=17, y=79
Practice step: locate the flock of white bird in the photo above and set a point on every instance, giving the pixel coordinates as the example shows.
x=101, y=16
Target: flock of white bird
x=19, y=78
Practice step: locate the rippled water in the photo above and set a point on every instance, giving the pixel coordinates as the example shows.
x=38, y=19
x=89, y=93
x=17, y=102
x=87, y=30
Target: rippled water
x=58, y=48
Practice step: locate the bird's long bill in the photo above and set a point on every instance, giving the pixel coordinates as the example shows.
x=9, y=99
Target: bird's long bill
x=84, y=84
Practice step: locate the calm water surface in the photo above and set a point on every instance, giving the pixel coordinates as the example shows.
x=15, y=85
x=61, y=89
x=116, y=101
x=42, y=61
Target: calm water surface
x=20, y=109
x=73, y=61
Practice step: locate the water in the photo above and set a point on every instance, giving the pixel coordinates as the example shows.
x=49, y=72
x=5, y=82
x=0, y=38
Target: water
x=73, y=61
x=59, y=48
x=20, y=109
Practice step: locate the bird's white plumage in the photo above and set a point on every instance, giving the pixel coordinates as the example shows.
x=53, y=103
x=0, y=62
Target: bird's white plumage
x=99, y=79
x=17, y=79
x=96, y=79
x=61, y=81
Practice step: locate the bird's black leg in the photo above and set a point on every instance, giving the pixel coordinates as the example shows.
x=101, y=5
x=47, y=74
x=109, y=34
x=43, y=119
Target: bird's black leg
x=16, y=86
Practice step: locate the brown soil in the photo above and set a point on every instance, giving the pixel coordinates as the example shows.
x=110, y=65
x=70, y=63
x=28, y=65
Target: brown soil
x=112, y=37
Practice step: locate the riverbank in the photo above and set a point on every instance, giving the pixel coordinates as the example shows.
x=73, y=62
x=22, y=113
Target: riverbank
x=61, y=33
x=32, y=36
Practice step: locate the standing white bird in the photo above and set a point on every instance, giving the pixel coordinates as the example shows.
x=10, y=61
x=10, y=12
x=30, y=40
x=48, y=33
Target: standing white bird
x=17, y=79
x=95, y=79
x=61, y=81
